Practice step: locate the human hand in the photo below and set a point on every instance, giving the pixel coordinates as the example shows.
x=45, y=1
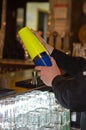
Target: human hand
x=21, y=43
x=48, y=73
x=48, y=47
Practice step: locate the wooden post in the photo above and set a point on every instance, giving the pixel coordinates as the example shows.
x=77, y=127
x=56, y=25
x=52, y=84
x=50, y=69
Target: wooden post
x=3, y=27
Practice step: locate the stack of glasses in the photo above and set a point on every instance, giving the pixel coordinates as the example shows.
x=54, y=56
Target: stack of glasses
x=35, y=110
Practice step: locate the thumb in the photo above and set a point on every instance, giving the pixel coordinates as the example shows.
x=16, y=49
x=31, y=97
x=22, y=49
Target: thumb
x=53, y=61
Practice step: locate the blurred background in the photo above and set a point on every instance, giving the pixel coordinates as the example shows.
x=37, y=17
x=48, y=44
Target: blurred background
x=57, y=21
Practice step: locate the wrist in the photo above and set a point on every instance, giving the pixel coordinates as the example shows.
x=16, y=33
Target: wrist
x=49, y=48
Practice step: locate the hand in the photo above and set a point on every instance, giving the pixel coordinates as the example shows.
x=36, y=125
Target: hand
x=48, y=73
x=48, y=47
x=20, y=41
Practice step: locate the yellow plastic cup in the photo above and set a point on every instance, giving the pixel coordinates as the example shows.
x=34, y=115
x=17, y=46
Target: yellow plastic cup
x=36, y=50
x=31, y=43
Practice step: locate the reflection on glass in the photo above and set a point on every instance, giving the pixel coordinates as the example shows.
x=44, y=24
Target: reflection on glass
x=28, y=111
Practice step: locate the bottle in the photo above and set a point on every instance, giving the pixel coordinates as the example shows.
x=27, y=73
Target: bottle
x=36, y=50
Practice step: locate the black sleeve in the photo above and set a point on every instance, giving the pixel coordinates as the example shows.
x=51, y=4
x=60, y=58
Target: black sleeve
x=71, y=65
x=71, y=92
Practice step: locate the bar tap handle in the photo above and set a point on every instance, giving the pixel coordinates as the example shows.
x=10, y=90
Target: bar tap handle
x=62, y=40
x=62, y=43
x=55, y=34
x=47, y=36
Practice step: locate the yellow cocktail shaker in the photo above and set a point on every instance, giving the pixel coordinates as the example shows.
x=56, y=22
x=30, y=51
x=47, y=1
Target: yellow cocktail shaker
x=36, y=50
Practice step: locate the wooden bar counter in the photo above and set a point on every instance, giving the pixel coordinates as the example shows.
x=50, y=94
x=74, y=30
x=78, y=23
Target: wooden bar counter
x=8, y=80
x=13, y=65
x=13, y=71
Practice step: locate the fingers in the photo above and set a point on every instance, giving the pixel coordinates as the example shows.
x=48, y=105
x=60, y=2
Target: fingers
x=37, y=68
x=21, y=42
x=53, y=61
x=39, y=37
x=35, y=32
x=40, y=71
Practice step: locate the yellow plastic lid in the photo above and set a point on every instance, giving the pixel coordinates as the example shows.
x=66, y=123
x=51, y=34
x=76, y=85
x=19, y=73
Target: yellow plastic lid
x=31, y=43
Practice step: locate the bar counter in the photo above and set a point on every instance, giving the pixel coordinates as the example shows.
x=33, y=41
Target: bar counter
x=13, y=65
x=8, y=80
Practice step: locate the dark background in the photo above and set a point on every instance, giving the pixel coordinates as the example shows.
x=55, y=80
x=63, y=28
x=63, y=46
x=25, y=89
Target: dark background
x=0, y=11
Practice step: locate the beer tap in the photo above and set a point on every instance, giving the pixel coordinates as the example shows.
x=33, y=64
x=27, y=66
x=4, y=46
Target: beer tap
x=55, y=34
x=62, y=40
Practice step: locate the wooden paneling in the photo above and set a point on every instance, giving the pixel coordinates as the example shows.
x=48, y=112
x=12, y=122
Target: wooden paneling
x=78, y=18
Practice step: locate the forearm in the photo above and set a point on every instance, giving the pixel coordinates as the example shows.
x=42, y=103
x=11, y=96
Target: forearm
x=71, y=65
x=70, y=93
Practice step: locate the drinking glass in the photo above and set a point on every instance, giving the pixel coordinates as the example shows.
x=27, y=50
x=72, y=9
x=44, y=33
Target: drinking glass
x=46, y=127
x=33, y=120
x=2, y=110
x=21, y=109
x=9, y=113
x=44, y=115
